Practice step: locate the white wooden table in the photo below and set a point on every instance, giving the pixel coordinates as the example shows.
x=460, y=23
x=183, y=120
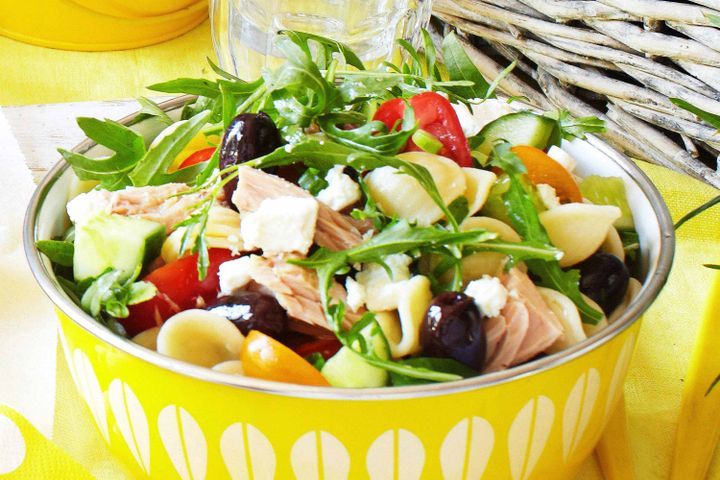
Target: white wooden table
x=41, y=129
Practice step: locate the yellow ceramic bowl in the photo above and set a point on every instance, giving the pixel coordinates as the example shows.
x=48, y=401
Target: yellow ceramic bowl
x=138, y=8
x=167, y=419
x=66, y=25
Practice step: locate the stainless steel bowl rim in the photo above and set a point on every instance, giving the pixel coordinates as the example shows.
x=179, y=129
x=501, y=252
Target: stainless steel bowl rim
x=652, y=286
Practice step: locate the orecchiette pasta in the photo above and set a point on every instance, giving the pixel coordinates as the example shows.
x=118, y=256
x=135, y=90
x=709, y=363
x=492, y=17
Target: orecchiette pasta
x=578, y=229
x=230, y=366
x=479, y=183
x=566, y=311
x=613, y=244
x=402, y=195
x=486, y=263
x=402, y=329
x=222, y=231
x=200, y=337
x=589, y=328
x=147, y=338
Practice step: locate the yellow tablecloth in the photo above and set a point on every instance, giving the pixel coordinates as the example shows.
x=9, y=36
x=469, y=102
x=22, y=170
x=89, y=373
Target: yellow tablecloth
x=653, y=391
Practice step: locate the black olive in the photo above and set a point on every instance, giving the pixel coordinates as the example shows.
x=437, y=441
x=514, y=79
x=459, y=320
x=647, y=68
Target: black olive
x=604, y=278
x=249, y=135
x=453, y=328
x=252, y=311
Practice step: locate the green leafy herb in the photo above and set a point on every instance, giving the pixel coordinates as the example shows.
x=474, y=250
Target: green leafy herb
x=59, y=252
x=316, y=360
x=697, y=211
x=446, y=365
x=112, y=171
x=313, y=180
x=327, y=48
x=501, y=76
x=459, y=209
x=191, y=86
x=711, y=266
x=571, y=127
x=460, y=67
x=109, y=295
x=525, y=219
x=148, y=108
x=708, y=117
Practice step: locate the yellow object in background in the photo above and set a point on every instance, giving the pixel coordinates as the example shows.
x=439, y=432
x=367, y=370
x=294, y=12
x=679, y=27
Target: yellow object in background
x=137, y=8
x=67, y=25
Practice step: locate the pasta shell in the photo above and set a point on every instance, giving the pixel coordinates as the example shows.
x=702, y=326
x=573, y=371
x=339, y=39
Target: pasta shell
x=478, y=185
x=634, y=287
x=578, y=410
x=402, y=195
x=613, y=244
x=566, y=311
x=200, y=337
x=247, y=453
x=184, y=442
x=466, y=450
x=578, y=229
x=528, y=436
x=403, y=333
x=222, y=231
x=396, y=455
x=486, y=263
x=132, y=422
x=147, y=338
x=230, y=366
x=319, y=455
x=589, y=328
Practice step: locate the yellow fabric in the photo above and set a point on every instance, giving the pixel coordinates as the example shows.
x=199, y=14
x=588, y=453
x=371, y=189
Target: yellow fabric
x=654, y=387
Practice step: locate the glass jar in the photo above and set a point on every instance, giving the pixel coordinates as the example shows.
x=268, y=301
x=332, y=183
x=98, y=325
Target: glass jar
x=243, y=30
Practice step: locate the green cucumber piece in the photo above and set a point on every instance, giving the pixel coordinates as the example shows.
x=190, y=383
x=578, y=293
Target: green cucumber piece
x=520, y=128
x=609, y=191
x=115, y=241
x=347, y=369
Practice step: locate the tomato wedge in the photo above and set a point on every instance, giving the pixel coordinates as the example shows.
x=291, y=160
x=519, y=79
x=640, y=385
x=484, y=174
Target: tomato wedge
x=542, y=168
x=197, y=157
x=327, y=347
x=178, y=289
x=435, y=115
x=264, y=357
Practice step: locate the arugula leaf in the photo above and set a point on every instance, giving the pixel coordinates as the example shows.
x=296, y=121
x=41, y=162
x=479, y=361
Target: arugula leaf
x=107, y=294
x=460, y=67
x=371, y=136
x=518, y=251
x=330, y=46
x=191, y=86
x=152, y=169
x=430, y=56
x=524, y=217
x=570, y=127
x=370, y=211
x=500, y=77
x=459, y=208
x=112, y=171
x=446, y=365
x=148, y=108
x=59, y=252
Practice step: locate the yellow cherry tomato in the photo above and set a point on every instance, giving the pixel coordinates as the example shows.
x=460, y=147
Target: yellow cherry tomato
x=264, y=357
x=541, y=168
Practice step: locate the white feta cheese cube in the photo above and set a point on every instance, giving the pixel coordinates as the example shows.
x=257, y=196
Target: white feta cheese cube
x=281, y=225
x=341, y=191
x=562, y=157
x=87, y=205
x=548, y=195
x=482, y=113
x=381, y=290
x=489, y=295
x=235, y=274
x=355, y=294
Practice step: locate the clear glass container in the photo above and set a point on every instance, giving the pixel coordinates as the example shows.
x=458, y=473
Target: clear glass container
x=243, y=30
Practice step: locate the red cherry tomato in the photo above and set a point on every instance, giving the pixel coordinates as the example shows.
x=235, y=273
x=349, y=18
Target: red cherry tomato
x=197, y=157
x=178, y=289
x=435, y=115
x=327, y=347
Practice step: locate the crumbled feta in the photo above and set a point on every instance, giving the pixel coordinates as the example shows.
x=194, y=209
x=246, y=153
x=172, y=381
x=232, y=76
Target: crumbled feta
x=381, y=290
x=482, y=113
x=87, y=205
x=341, y=191
x=281, y=225
x=234, y=274
x=489, y=295
x=548, y=195
x=355, y=294
x=562, y=157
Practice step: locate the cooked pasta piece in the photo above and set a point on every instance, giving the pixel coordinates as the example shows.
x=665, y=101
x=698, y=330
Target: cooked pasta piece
x=478, y=184
x=589, y=328
x=613, y=244
x=566, y=311
x=633, y=289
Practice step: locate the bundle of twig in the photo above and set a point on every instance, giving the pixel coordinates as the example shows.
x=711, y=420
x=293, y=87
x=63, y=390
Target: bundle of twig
x=620, y=60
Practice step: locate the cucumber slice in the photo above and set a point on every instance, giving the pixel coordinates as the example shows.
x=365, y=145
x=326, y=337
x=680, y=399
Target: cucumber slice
x=520, y=128
x=347, y=369
x=609, y=191
x=115, y=241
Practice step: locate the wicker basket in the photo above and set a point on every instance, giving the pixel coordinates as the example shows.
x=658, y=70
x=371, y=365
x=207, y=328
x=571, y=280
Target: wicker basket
x=617, y=59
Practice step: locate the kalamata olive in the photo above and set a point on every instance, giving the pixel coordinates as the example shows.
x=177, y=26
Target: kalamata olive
x=250, y=135
x=453, y=328
x=604, y=278
x=252, y=311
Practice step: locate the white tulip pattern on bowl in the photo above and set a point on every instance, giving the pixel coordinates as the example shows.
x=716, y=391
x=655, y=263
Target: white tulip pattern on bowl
x=466, y=450
x=528, y=436
x=319, y=455
x=132, y=422
x=247, y=453
x=397, y=454
x=184, y=441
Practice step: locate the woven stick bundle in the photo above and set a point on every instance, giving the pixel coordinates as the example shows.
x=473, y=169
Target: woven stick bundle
x=620, y=60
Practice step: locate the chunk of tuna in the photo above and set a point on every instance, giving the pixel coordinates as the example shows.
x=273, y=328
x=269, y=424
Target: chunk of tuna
x=513, y=329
